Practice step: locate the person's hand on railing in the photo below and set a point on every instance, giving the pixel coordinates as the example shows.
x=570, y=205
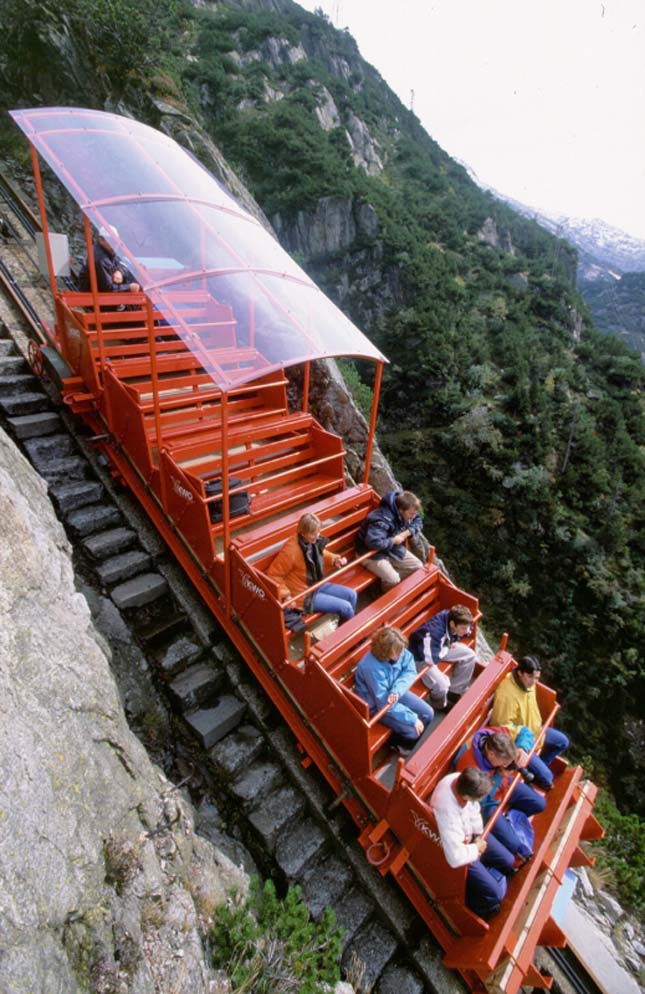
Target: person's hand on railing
x=342, y=568
x=388, y=704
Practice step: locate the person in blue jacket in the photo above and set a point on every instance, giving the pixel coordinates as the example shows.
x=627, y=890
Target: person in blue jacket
x=384, y=676
x=440, y=639
x=385, y=530
x=493, y=751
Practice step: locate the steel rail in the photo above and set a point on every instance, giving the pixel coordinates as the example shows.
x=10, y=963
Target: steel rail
x=574, y=971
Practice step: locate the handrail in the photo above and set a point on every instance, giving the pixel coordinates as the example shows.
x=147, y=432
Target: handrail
x=329, y=577
x=271, y=479
x=379, y=714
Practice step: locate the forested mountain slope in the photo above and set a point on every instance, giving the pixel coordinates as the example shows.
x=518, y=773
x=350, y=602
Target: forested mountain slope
x=618, y=306
x=610, y=271
x=520, y=426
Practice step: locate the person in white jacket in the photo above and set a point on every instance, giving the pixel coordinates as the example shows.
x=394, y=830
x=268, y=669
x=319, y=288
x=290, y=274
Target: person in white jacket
x=455, y=804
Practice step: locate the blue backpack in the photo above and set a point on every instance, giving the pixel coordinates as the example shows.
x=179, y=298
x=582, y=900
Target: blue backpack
x=524, y=831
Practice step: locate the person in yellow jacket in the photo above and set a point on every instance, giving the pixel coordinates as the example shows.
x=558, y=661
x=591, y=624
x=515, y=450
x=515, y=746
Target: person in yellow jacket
x=515, y=704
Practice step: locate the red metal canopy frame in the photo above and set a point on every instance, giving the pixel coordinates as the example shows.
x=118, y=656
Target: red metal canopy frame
x=180, y=232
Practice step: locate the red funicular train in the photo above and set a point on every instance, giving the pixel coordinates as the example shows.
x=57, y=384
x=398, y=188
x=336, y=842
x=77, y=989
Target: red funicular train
x=186, y=386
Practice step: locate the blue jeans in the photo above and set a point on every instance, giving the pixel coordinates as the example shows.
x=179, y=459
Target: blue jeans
x=420, y=708
x=525, y=799
x=331, y=598
x=485, y=890
x=554, y=743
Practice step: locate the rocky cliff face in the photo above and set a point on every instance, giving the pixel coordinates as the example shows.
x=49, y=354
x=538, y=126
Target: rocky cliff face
x=104, y=885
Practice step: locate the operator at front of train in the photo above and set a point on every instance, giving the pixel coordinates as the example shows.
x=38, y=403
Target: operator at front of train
x=112, y=273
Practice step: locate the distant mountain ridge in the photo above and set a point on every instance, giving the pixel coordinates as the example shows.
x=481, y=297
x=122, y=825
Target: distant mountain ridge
x=596, y=240
x=611, y=264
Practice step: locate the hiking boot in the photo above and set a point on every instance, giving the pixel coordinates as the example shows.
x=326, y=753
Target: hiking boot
x=403, y=747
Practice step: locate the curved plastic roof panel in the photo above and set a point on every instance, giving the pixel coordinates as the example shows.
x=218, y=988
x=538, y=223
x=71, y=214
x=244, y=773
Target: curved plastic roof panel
x=214, y=274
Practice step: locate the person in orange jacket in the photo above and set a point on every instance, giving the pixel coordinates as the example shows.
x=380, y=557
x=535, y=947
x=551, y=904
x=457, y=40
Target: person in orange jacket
x=302, y=562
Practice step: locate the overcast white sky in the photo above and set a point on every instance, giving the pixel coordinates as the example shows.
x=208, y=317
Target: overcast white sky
x=544, y=99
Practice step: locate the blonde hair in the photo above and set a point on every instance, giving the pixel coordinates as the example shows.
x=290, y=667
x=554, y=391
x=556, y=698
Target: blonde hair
x=386, y=641
x=308, y=524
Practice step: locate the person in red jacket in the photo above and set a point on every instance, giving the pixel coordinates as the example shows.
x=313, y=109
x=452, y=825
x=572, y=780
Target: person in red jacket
x=302, y=562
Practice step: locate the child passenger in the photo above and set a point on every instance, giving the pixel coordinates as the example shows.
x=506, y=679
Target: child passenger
x=384, y=676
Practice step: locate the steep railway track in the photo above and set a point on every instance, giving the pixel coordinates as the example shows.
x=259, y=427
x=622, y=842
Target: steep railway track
x=229, y=742
x=253, y=770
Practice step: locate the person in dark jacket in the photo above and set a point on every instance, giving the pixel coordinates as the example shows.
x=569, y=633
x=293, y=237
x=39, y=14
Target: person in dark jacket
x=440, y=640
x=385, y=530
x=112, y=274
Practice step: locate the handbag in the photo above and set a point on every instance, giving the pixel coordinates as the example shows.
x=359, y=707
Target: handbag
x=238, y=503
x=293, y=619
x=524, y=831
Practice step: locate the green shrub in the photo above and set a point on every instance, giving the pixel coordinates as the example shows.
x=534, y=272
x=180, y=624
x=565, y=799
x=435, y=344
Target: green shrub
x=360, y=391
x=620, y=855
x=271, y=946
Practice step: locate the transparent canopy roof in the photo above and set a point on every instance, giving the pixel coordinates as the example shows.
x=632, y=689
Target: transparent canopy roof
x=209, y=268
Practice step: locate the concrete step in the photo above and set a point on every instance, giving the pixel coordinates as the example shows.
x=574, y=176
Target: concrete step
x=7, y=347
x=64, y=470
x=142, y=589
x=42, y=449
x=257, y=781
x=275, y=812
x=159, y=629
x=325, y=880
x=109, y=543
x=18, y=383
x=71, y=496
x=297, y=847
x=212, y=724
x=13, y=364
x=398, y=979
x=123, y=566
x=352, y=909
x=15, y=404
x=179, y=655
x=35, y=425
x=196, y=686
x=374, y=945
x=236, y=752
x=92, y=519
